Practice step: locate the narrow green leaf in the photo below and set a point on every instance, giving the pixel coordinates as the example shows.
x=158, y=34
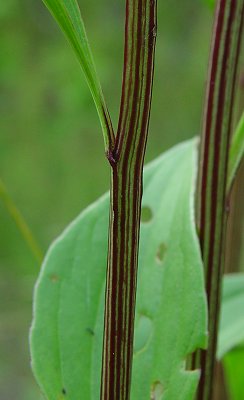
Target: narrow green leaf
x=68, y=16
x=236, y=152
x=231, y=330
x=67, y=331
x=20, y=223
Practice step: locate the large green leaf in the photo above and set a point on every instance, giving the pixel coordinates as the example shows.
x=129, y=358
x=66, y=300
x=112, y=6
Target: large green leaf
x=67, y=331
x=231, y=330
x=68, y=16
x=233, y=367
x=210, y=3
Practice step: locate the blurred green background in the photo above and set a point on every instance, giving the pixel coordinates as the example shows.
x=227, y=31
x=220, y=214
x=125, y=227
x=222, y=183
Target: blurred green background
x=51, y=147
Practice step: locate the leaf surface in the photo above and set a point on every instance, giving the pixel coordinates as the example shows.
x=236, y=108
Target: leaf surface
x=236, y=151
x=231, y=330
x=67, y=331
x=233, y=369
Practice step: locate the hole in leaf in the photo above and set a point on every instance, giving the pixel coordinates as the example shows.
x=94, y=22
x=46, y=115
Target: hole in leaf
x=64, y=392
x=146, y=214
x=143, y=332
x=54, y=278
x=156, y=391
x=161, y=253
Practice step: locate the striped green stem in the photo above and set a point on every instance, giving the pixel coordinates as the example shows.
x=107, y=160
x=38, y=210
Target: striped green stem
x=213, y=169
x=126, y=191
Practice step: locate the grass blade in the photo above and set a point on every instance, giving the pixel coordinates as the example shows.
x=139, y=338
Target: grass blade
x=20, y=223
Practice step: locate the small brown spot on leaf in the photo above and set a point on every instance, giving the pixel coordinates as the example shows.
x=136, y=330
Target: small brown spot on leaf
x=161, y=253
x=54, y=278
x=156, y=391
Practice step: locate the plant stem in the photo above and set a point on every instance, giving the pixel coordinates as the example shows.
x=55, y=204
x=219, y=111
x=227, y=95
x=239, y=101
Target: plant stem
x=211, y=202
x=126, y=191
